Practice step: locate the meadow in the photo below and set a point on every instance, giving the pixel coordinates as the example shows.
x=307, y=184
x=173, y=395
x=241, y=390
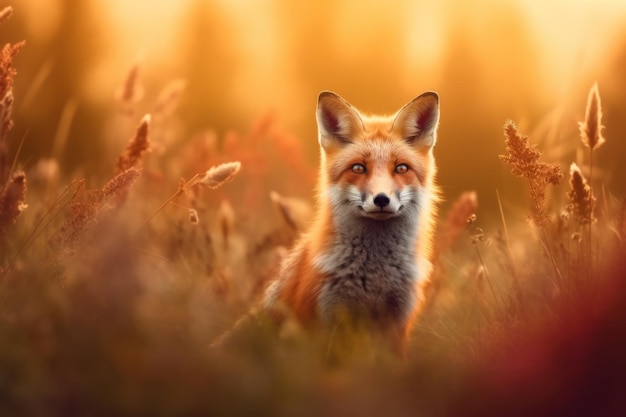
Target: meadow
x=114, y=286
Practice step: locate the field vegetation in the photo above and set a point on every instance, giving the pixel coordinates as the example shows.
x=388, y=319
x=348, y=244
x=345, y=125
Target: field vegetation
x=114, y=287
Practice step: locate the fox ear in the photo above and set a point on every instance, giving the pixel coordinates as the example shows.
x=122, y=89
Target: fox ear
x=417, y=121
x=337, y=120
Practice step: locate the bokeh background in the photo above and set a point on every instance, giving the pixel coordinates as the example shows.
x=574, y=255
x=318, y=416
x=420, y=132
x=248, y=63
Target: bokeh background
x=111, y=294
x=241, y=60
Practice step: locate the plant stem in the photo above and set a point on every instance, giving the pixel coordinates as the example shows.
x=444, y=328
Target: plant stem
x=180, y=190
x=589, y=265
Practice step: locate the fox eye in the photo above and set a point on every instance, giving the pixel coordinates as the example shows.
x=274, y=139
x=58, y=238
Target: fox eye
x=401, y=168
x=358, y=168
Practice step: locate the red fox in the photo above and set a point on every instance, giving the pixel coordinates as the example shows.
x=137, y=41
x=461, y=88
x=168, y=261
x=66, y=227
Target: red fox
x=367, y=252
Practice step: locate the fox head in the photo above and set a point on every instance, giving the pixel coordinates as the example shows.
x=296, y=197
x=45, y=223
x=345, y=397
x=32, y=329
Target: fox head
x=377, y=167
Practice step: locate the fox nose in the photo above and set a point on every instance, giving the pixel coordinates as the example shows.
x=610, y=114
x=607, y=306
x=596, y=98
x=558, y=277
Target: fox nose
x=381, y=200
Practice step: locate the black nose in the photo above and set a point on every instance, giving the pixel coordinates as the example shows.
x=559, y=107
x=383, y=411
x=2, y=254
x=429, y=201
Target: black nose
x=381, y=200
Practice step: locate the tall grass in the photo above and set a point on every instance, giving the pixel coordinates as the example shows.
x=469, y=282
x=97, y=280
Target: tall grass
x=113, y=290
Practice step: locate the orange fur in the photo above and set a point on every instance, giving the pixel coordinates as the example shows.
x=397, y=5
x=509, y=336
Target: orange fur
x=384, y=288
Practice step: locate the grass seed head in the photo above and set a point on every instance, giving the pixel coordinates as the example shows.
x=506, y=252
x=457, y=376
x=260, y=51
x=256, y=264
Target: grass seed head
x=220, y=175
x=131, y=91
x=591, y=128
x=580, y=196
x=120, y=184
x=6, y=14
x=523, y=158
x=137, y=146
x=85, y=207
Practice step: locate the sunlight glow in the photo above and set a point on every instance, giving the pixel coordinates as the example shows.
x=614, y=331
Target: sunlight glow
x=40, y=29
x=278, y=50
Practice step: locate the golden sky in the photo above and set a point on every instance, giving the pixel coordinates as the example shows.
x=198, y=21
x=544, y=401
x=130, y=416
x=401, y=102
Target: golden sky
x=532, y=61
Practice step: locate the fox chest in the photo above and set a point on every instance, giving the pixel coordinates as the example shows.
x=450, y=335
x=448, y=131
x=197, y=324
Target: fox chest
x=369, y=280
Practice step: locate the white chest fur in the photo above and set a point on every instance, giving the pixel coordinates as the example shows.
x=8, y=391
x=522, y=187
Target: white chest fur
x=370, y=269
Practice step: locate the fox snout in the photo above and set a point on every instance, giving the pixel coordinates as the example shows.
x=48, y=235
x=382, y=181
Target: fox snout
x=381, y=205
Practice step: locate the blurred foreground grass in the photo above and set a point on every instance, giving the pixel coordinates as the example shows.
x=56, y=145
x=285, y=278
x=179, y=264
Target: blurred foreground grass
x=110, y=299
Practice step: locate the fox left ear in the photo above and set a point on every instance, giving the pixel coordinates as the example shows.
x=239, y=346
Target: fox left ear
x=337, y=121
x=417, y=121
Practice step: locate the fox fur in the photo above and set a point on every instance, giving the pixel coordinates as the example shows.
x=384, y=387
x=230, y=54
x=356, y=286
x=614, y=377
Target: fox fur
x=367, y=252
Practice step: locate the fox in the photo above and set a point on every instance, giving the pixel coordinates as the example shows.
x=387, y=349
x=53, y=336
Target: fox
x=368, y=248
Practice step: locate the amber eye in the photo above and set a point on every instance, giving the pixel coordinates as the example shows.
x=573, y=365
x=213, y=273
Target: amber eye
x=358, y=168
x=402, y=168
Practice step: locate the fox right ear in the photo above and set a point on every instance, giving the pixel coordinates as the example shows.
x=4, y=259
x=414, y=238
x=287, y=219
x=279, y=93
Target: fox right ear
x=417, y=121
x=337, y=120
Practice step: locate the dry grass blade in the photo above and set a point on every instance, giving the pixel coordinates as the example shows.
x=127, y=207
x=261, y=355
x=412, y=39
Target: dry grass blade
x=13, y=188
x=456, y=220
x=622, y=222
x=213, y=178
x=35, y=85
x=509, y=251
x=48, y=217
x=6, y=14
x=296, y=213
x=580, y=196
x=6, y=105
x=591, y=134
x=81, y=213
x=137, y=146
x=220, y=175
x=63, y=129
x=131, y=91
x=226, y=219
x=168, y=99
x=7, y=72
x=86, y=210
x=12, y=202
x=591, y=128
